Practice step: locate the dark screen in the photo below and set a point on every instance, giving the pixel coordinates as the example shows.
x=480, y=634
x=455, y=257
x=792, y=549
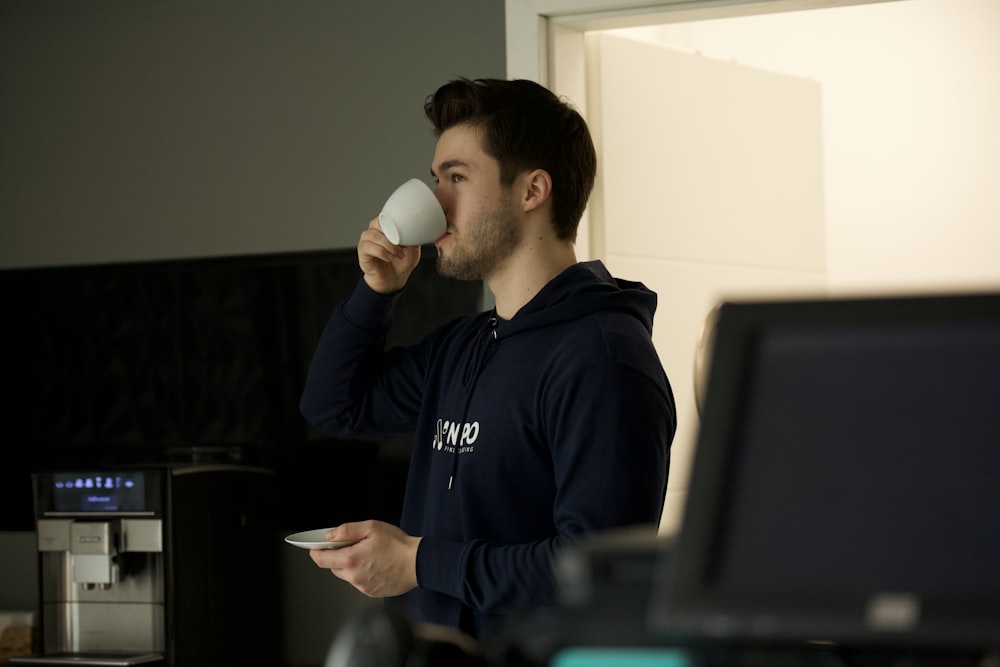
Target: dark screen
x=868, y=459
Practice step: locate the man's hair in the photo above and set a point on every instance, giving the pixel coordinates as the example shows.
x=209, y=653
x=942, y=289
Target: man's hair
x=525, y=127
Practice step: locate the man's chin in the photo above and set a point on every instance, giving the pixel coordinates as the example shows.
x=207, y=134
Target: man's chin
x=449, y=269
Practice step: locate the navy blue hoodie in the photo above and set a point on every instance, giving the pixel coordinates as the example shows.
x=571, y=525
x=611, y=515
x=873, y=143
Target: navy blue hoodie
x=527, y=433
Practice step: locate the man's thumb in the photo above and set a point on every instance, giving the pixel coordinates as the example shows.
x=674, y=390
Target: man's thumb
x=345, y=532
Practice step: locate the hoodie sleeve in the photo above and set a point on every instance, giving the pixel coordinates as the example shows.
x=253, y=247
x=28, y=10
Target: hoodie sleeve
x=611, y=426
x=348, y=391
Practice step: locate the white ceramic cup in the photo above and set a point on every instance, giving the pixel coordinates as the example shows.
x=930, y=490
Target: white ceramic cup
x=412, y=215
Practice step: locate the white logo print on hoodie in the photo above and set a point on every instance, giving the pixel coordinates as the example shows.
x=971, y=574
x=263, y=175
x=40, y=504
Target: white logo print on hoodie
x=454, y=434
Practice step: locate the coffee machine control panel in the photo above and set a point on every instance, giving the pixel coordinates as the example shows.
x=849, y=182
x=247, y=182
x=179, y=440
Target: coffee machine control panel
x=96, y=516
x=88, y=494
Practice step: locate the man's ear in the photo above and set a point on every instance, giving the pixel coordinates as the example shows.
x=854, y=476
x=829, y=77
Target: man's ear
x=537, y=190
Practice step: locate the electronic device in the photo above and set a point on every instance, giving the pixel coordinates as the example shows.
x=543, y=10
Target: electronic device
x=845, y=489
x=168, y=564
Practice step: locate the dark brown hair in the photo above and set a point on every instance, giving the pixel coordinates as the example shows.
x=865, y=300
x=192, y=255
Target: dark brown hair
x=526, y=127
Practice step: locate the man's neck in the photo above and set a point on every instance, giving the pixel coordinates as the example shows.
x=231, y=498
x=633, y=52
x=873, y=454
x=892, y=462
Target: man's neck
x=526, y=273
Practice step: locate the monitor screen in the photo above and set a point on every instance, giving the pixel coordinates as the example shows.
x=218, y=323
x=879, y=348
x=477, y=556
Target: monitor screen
x=845, y=484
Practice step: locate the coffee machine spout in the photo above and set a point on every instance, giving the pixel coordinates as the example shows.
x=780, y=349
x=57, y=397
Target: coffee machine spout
x=94, y=548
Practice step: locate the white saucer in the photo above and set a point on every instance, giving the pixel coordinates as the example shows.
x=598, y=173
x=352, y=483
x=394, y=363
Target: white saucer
x=315, y=539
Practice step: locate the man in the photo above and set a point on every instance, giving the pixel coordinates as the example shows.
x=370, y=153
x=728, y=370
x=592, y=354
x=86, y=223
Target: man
x=544, y=419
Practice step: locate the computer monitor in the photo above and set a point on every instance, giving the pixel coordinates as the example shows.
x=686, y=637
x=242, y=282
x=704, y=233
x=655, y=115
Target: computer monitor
x=846, y=481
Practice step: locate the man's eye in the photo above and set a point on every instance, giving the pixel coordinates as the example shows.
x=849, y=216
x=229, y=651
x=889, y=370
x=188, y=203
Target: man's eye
x=457, y=178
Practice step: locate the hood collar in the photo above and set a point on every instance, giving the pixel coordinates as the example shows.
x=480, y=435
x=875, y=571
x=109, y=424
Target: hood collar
x=581, y=289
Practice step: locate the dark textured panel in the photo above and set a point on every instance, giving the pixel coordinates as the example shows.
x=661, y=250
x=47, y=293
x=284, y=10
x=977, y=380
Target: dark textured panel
x=145, y=362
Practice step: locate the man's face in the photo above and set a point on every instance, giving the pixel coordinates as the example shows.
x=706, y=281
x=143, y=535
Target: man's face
x=483, y=228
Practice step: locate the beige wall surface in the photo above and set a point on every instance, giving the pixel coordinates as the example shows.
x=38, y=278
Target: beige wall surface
x=712, y=190
x=910, y=98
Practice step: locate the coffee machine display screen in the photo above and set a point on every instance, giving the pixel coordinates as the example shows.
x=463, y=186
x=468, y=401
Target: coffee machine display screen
x=107, y=491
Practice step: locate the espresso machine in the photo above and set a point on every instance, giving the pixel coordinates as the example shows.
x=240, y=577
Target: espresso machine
x=170, y=564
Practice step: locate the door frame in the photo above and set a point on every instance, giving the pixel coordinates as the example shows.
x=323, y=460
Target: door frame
x=535, y=28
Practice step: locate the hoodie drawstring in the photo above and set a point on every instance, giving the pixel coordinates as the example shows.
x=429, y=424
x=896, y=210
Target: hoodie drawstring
x=469, y=378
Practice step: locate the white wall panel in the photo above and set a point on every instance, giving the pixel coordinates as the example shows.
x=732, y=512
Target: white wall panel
x=710, y=189
x=707, y=160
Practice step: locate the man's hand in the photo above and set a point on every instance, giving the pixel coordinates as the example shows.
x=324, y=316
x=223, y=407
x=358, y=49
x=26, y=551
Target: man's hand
x=386, y=266
x=382, y=564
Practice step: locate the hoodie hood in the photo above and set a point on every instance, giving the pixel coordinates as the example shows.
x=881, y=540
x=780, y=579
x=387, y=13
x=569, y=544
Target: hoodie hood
x=580, y=290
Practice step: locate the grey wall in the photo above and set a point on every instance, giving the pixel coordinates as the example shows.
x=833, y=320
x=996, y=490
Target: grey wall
x=135, y=130
x=155, y=129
